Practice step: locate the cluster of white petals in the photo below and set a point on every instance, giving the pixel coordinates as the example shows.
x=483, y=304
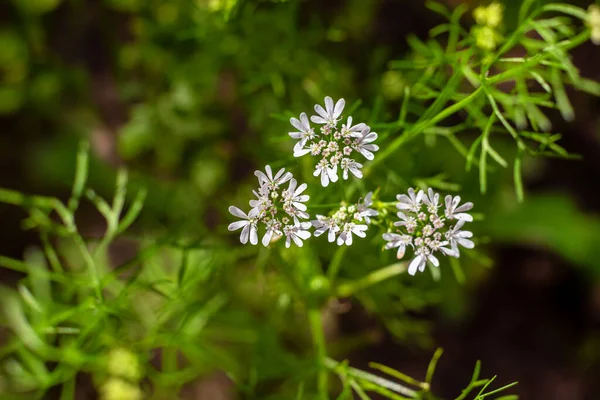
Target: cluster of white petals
x=346, y=221
x=335, y=146
x=426, y=226
x=278, y=208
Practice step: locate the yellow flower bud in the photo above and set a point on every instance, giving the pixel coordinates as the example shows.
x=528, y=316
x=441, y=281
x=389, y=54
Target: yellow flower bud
x=480, y=15
x=486, y=38
x=593, y=21
x=495, y=14
x=491, y=15
x=118, y=389
x=123, y=364
x=596, y=35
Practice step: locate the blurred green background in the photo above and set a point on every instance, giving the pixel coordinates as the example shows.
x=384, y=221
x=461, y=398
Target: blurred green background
x=194, y=95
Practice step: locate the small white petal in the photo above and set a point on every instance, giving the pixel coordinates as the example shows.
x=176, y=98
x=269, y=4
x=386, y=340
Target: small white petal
x=329, y=105
x=234, y=226
x=401, y=251
x=324, y=179
x=357, y=172
x=297, y=240
x=301, y=189
x=237, y=212
x=339, y=107
x=466, y=243
x=302, y=152
x=414, y=265
x=464, y=217
x=349, y=240
x=253, y=235
x=464, y=207
x=267, y=238
x=433, y=260
x=303, y=234
x=304, y=120
x=318, y=120
x=331, y=236
x=367, y=154
x=245, y=234
x=321, y=111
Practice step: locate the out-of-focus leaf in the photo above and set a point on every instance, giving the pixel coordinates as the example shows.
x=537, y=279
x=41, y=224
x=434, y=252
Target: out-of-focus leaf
x=553, y=221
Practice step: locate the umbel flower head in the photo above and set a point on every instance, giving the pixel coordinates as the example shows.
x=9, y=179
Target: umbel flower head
x=426, y=226
x=335, y=146
x=346, y=221
x=277, y=207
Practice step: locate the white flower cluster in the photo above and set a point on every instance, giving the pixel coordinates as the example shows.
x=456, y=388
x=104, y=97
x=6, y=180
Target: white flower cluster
x=279, y=209
x=347, y=220
x=427, y=226
x=334, y=146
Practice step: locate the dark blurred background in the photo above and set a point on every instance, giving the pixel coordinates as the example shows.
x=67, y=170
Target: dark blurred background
x=186, y=92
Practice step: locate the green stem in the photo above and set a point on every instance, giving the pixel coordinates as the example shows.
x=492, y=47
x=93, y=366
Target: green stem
x=377, y=380
x=330, y=205
x=336, y=263
x=316, y=329
x=421, y=126
x=350, y=288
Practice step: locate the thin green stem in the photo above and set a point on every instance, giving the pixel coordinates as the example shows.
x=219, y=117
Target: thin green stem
x=421, y=126
x=316, y=329
x=336, y=263
x=377, y=380
x=330, y=205
x=91, y=265
x=350, y=288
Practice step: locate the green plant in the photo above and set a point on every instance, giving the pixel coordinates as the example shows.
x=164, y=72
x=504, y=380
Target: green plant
x=191, y=302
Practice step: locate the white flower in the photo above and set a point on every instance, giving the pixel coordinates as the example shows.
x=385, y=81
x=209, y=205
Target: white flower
x=294, y=199
x=454, y=211
x=248, y=224
x=305, y=132
x=363, y=210
x=456, y=237
x=262, y=201
x=274, y=207
x=324, y=224
x=345, y=236
x=349, y=164
x=412, y=202
x=422, y=255
x=353, y=131
x=300, y=150
x=294, y=195
x=346, y=221
x=327, y=173
x=432, y=200
x=335, y=143
x=273, y=228
x=429, y=232
x=364, y=143
x=271, y=181
x=329, y=115
x=399, y=241
x=297, y=233
x=408, y=221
